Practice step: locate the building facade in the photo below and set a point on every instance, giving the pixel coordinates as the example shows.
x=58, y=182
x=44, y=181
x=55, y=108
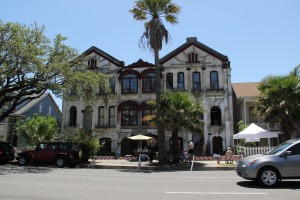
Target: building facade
x=43, y=105
x=244, y=103
x=192, y=67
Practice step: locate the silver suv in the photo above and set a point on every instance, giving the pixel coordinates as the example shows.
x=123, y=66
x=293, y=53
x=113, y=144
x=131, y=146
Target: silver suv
x=283, y=162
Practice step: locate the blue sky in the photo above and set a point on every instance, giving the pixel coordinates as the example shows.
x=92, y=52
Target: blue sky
x=260, y=37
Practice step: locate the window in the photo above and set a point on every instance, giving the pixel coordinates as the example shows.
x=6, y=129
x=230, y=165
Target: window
x=101, y=116
x=112, y=121
x=73, y=116
x=180, y=81
x=192, y=58
x=129, y=116
x=196, y=81
x=112, y=83
x=50, y=110
x=148, y=110
x=40, y=108
x=252, y=114
x=42, y=146
x=101, y=89
x=53, y=146
x=215, y=116
x=129, y=84
x=92, y=63
x=295, y=150
x=169, y=81
x=149, y=83
x=214, y=83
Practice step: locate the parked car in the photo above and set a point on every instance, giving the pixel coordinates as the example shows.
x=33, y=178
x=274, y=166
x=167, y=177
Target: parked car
x=283, y=162
x=58, y=153
x=7, y=152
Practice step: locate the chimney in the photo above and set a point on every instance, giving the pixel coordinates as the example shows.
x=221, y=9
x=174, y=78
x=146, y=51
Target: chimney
x=191, y=39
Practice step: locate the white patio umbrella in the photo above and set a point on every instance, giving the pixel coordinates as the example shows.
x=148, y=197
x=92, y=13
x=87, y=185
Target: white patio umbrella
x=140, y=137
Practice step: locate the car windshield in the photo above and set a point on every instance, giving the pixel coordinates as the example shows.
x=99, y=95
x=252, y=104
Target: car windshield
x=279, y=148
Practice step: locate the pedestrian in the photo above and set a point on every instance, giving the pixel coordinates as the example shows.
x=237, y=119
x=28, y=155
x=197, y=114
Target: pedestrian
x=191, y=147
x=150, y=154
x=229, y=156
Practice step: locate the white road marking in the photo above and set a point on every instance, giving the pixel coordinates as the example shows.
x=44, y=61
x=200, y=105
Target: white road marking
x=213, y=177
x=219, y=193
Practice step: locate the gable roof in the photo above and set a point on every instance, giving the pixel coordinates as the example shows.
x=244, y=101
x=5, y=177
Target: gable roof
x=33, y=102
x=103, y=54
x=193, y=41
x=140, y=63
x=247, y=89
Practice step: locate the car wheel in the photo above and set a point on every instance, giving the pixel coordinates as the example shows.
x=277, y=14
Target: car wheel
x=268, y=177
x=22, y=161
x=60, y=162
x=3, y=161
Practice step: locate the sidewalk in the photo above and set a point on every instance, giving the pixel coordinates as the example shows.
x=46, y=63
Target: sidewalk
x=146, y=165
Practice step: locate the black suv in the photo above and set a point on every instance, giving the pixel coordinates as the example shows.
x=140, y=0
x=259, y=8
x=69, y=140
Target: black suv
x=7, y=153
x=58, y=153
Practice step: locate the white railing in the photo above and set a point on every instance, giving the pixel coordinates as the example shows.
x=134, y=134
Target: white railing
x=249, y=151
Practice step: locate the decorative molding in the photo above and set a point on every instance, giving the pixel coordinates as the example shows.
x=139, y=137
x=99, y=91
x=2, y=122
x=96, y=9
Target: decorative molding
x=215, y=93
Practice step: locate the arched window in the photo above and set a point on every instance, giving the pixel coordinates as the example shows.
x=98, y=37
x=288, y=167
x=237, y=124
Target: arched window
x=214, y=82
x=129, y=116
x=73, y=116
x=215, y=116
x=147, y=110
x=149, y=83
x=196, y=81
x=180, y=81
x=169, y=81
x=129, y=84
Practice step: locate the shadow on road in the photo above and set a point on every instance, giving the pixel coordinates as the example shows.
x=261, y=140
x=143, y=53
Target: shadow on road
x=14, y=169
x=285, y=184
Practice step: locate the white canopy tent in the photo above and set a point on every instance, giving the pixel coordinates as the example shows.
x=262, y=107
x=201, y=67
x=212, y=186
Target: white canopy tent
x=254, y=132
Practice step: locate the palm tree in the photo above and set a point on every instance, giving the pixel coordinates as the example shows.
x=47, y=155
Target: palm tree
x=153, y=12
x=179, y=112
x=279, y=101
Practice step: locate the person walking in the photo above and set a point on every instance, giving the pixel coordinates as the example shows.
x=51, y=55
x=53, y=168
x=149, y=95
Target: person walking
x=229, y=156
x=191, y=147
x=150, y=153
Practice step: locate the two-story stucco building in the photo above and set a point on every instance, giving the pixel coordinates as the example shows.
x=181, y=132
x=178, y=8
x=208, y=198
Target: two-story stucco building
x=192, y=67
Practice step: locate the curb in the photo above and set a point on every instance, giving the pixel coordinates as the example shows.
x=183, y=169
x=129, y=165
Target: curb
x=159, y=168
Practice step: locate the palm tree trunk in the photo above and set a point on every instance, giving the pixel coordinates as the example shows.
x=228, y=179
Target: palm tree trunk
x=160, y=126
x=175, y=144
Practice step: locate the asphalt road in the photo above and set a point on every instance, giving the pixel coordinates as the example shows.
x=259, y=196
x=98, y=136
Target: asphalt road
x=43, y=183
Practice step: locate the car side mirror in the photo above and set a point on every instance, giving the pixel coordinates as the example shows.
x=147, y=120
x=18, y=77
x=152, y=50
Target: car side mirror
x=286, y=153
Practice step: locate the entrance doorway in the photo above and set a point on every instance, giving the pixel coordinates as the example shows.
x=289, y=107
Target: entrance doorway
x=217, y=144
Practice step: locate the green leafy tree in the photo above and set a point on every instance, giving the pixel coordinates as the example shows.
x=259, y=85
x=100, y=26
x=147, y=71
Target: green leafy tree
x=37, y=129
x=153, y=12
x=279, y=101
x=31, y=64
x=179, y=111
x=241, y=126
x=88, y=144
